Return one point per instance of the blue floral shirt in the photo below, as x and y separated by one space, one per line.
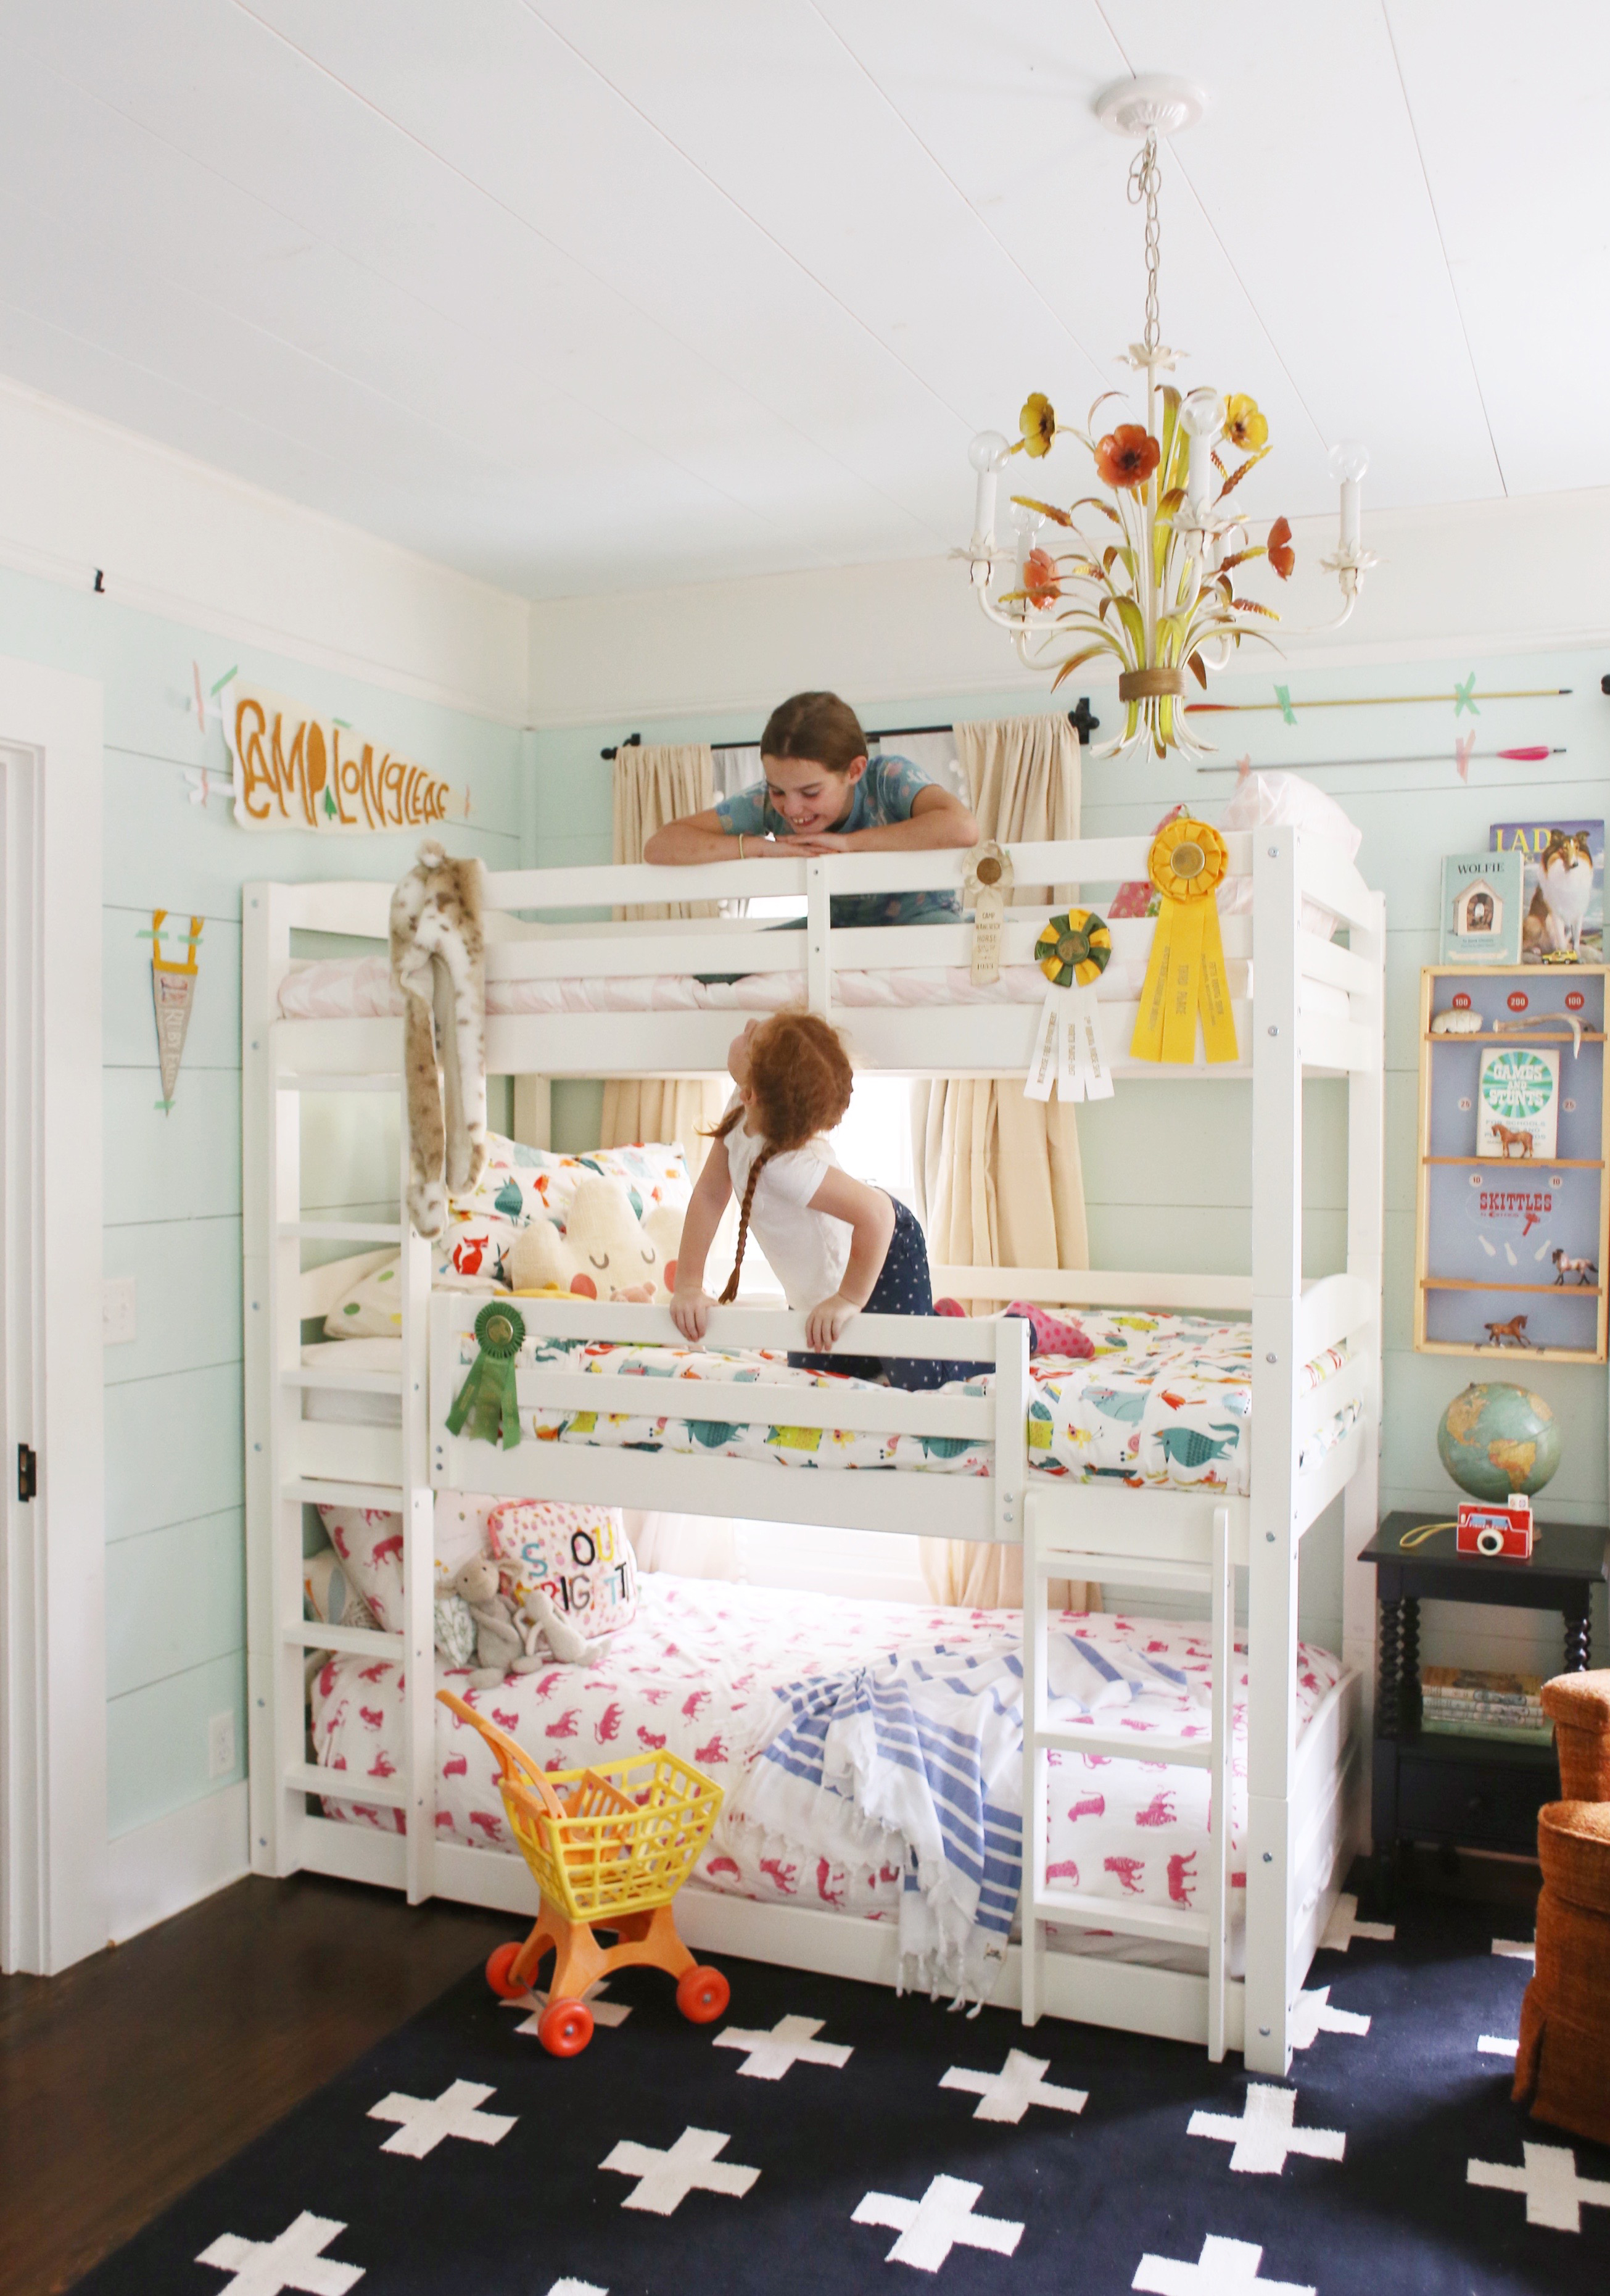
886 791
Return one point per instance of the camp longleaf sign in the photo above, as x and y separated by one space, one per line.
294 770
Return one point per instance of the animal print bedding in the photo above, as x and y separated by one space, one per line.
1162 1401
707 1667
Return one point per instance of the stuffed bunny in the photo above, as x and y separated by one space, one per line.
605 1252
500 1646
541 1621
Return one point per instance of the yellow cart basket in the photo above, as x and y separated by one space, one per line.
608 1845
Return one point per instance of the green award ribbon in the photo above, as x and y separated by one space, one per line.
487 1400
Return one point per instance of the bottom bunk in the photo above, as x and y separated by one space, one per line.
815 1714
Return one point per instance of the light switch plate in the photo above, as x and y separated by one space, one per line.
220 1745
118 1311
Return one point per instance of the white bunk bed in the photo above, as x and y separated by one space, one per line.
1317 1011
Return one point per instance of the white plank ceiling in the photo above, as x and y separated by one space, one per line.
582 295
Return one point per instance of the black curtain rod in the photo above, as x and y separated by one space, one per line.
1079 718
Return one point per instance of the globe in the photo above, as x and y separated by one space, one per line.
1497 1438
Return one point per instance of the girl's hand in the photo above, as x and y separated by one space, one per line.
827 1320
690 1312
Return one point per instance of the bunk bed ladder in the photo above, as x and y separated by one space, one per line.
1053 1547
287 1470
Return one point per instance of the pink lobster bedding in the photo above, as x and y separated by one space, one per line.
699 1670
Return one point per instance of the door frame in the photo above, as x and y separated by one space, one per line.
53 1849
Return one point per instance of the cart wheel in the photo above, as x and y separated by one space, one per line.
701 1996
566 2028
499 1962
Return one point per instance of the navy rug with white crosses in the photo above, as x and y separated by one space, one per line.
824 2135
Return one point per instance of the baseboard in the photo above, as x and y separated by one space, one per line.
159 1869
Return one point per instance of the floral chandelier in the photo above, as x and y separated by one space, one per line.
1149 569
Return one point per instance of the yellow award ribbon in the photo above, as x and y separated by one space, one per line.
1185 975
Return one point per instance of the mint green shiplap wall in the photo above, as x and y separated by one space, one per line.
175 1526
1167 1165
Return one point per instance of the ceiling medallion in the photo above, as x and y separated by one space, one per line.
1153 584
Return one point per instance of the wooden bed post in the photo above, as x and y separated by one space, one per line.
1366 1200
271 1178
1277 1285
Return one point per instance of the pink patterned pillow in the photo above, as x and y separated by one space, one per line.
579 1556
369 1541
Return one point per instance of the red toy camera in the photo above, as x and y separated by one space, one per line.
1496 1529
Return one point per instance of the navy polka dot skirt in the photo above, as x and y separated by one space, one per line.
903 1287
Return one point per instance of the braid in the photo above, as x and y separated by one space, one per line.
756 1169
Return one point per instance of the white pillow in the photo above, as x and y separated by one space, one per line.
1287 801
522 1183
518 1184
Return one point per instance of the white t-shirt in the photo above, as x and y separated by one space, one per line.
808 1251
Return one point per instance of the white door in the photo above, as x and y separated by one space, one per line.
53 1640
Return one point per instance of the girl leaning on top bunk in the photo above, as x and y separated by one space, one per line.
835 1244
822 794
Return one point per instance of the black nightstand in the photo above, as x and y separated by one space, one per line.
1466 1792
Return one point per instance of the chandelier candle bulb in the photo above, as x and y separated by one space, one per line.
987 455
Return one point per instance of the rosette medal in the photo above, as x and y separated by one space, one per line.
1185 975
1073 952
488 1401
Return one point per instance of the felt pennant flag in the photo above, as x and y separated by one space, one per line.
1185 974
294 769
173 988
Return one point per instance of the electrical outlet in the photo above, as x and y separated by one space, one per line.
118 1311
220 1745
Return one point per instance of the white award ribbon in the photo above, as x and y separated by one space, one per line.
1069 1051
986 890
1081 1069
1043 1061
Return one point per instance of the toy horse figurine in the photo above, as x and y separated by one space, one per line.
1585 1270
1507 1140
1512 1334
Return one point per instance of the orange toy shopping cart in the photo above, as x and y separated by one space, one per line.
610 1846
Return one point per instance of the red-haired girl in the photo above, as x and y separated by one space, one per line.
835 1244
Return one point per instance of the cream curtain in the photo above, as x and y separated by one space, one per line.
1000 1175
653 785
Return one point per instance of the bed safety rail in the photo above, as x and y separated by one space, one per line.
963 1506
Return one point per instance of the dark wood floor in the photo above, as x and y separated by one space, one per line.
142 2069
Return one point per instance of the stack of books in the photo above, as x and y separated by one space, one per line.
1464 1702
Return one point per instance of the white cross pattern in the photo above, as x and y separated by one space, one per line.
665 2179
425 2120
1265 2135
1225 2268
791 2041
1493 2045
941 2220
1008 2095
1314 2015
1511 1949
1554 2191
296 2259
604 2012
1344 1925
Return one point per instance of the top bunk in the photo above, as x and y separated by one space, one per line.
576 985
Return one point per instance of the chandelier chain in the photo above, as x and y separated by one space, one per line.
1144 179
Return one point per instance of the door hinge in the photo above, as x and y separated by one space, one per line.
28 1472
